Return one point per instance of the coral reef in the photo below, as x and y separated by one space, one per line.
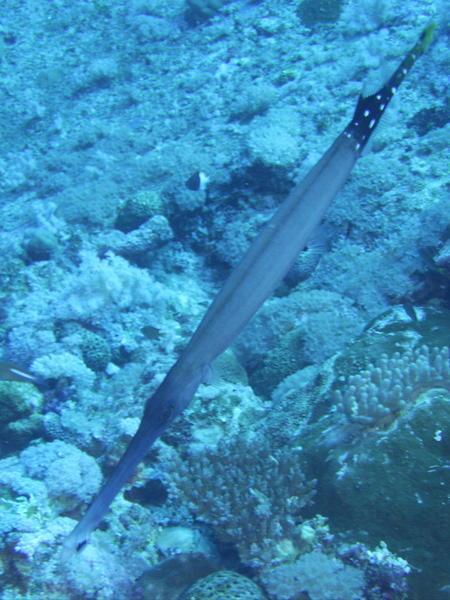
64 364
109 261
322 576
224 585
47 462
95 350
294 331
314 13
20 415
201 10
137 210
271 139
378 394
379 457
152 234
393 483
250 495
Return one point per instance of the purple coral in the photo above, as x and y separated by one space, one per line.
386 574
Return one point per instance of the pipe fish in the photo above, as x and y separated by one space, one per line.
260 271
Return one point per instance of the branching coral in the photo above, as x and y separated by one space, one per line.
252 497
376 395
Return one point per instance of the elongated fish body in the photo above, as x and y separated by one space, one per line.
261 270
10 372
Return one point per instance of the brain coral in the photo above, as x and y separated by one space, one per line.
224 585
322 576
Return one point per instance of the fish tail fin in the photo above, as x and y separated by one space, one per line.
370 109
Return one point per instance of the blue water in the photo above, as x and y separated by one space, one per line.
287 472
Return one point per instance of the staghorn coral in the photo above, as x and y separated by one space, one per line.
377 394
252 496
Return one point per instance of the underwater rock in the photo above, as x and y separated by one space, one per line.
427 119
315 12
40 245
152 234
384 468
227 367
394 484
256 100
198 11
442 259
178 539
271 140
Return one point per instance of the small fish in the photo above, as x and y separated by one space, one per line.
11 372
197 182
150 332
